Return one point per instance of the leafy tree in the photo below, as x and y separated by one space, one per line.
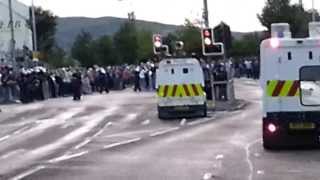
104 50
191 36
82 49
126 43
145 47
248 45
46 24
278 11
170 40
59 58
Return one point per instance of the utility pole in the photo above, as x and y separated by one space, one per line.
205 13
313 12
34 28
300 3
12 41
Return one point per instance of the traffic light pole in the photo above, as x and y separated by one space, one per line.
206 13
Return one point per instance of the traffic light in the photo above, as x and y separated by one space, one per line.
209 47
157 43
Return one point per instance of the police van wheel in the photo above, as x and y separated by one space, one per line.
205 112
268 146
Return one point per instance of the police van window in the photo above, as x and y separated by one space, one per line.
310 55
310 85
172 71
185 70
289 56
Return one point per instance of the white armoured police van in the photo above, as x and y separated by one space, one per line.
180 84
290 78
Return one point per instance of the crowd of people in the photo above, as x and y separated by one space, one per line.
37 84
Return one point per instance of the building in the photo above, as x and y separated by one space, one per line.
22 30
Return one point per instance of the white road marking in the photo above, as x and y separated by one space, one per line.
164 132
127 134
183 122
146 122
219 157
193 123
98 133
19 131
130 117
207 176
12 153
260 172
109 124
85 142
257 155
122 143
28 173
5 138
68 157
28 158
248 158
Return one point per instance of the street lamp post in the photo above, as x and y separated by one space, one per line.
34 28
206 13
12 41
313 12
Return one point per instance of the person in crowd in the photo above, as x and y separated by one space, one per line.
248 66
86 84
76 85
102 81
256 69
9 83
137 84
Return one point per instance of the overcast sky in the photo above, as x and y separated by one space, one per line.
241 15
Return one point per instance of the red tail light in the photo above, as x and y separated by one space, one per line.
272 128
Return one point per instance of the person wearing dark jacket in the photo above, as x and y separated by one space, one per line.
103 81
76 84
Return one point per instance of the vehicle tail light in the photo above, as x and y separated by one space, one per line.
274 42
272 128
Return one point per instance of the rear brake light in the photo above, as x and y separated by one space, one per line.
272 128
274 42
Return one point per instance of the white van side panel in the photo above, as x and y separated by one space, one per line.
275 65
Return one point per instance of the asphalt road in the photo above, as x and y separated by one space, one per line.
118 136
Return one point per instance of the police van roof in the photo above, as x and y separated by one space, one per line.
291 42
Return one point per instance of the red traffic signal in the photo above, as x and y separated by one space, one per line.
209 47
157 40
206 33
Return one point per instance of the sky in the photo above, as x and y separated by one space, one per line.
241 15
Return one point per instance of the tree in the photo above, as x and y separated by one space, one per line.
191 36
126 43
279 11
104 51
58 58
82 49
46 24
248 45
145 47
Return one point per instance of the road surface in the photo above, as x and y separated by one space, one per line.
118 136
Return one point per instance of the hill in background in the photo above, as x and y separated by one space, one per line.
68 28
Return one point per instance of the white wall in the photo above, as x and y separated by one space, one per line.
23 34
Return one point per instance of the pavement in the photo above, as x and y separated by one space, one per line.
118 136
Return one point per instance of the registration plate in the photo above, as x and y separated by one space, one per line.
182 108
302 126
